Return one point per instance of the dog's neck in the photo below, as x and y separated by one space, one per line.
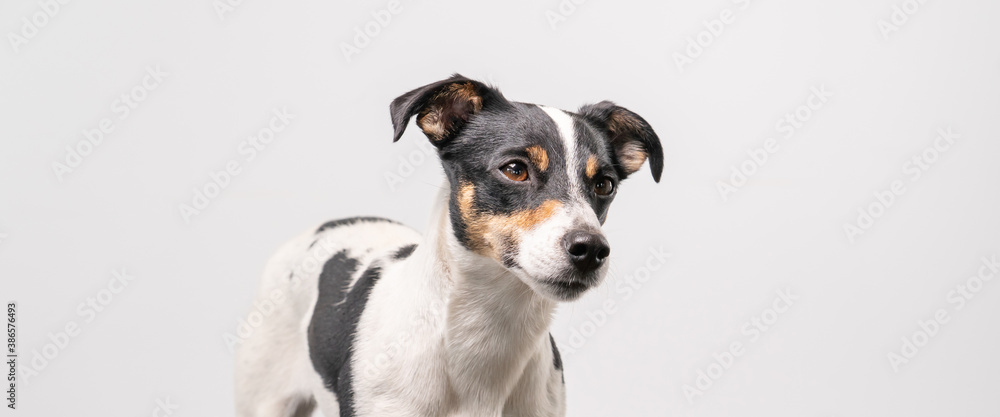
494 322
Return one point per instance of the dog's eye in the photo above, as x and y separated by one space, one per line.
515 171
604 186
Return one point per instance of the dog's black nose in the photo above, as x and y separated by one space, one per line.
587 250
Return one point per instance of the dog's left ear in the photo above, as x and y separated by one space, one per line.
442 108
631 138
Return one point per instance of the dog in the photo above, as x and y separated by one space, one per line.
367 317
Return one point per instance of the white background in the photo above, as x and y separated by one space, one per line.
61 237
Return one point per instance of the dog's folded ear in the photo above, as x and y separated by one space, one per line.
630 137
442 108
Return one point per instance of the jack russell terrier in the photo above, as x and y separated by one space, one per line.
370 318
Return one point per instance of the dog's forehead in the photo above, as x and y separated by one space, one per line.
562 136
583 147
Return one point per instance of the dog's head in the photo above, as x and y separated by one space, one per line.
531 185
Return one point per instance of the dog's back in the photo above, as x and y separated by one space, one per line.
308 296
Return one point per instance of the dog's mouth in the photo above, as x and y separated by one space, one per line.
570 288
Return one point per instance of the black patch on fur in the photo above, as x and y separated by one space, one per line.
509 258
556 358
404 252
335 322
349 221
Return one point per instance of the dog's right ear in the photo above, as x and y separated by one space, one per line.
631 138
442 108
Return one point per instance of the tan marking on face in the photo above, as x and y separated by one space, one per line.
631 155
591 166
538 157
526 220
466 193
455 98
475 226
489 234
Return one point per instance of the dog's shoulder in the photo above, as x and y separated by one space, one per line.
357 248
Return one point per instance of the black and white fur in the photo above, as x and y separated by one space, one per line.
374 319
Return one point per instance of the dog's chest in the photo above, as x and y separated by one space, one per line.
380 340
